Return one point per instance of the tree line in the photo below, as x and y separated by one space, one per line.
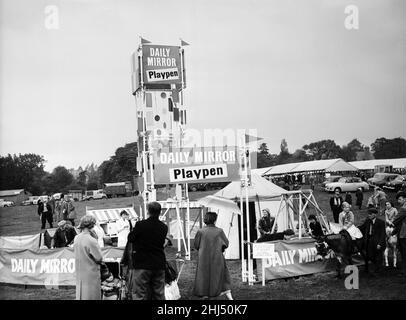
382 148
26 171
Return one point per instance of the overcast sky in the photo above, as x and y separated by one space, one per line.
289 69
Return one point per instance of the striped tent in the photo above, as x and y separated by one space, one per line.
109 215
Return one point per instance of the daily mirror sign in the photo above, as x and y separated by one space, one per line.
161 64
191 165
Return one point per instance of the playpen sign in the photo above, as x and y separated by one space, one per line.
198 164
161 64
263 250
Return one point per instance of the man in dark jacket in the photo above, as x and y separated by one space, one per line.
45 212
374 235
400 229
64 235
148 240
335 205
315 227
360 197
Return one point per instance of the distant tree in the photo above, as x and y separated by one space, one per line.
263 149
299 156
284 156
264 158
384 148
349 151
120 167
324 149
82 179
61 178
22 172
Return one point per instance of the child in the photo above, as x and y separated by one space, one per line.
110 288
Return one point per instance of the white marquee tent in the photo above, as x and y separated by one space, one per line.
329 165
264 194
370 164
228 214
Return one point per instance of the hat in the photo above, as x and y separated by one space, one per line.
401 194
312 216
61 223
372 211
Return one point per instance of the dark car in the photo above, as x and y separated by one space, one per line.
380 179
396 184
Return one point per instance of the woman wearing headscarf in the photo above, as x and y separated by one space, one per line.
88 257
212 276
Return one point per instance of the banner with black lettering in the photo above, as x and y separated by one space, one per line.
297 257
48 267
197 164
161 64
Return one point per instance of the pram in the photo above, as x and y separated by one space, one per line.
114 287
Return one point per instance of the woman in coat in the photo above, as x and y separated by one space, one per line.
212 276
88 257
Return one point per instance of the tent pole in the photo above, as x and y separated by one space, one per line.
188 222
300 216
247 209
243 262
277 214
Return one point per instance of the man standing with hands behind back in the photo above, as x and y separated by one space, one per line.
335 205
374 234
148 239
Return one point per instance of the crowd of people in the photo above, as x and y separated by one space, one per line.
384 227
144 256
145 261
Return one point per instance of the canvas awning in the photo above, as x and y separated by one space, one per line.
220 203
259 189
106 215
370 164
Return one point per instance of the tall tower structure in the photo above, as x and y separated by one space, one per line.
158 84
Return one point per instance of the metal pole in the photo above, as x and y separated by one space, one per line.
188 222
300 216
151 169
250 273
243 262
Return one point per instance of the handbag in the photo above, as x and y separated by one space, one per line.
170 273
172 291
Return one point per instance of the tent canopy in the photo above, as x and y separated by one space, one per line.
220 203
329 165
260 188
370 164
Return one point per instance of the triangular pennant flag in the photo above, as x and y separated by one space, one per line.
249 138
183 43
144 41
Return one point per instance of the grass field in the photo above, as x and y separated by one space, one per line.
24 220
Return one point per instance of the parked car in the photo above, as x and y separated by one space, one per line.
29 201
330 179
42 198
380 179
396 184
347 184
6 203
94 195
